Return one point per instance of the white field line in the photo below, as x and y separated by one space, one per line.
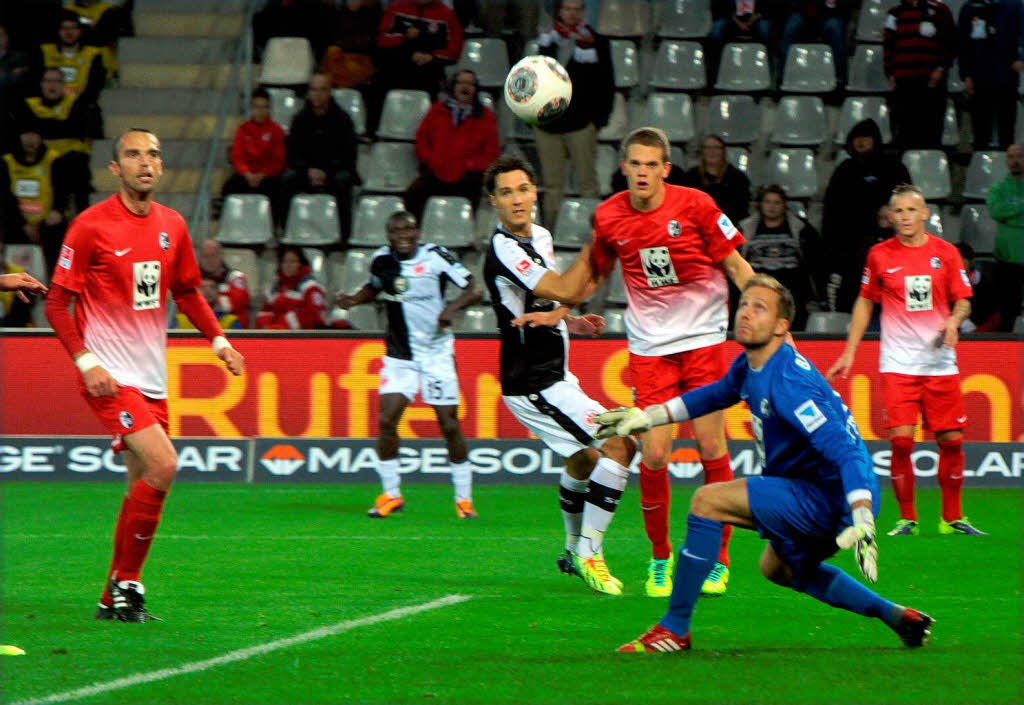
244 654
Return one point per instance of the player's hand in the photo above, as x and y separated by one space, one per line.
345 301
840 368
22 283
444 319
539 318
950 333
861 538
588 324
624 421
232 359
99 382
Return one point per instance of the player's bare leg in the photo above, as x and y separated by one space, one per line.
709 432
392 406
901 469
462 471
951 482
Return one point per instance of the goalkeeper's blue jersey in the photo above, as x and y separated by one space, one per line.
801 425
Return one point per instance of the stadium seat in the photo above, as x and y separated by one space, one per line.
607 165
985 169
365 317
355 271
977 228
317 263
370 218
828 322
953 81
246 261
448 221
488 58
739 157
283 106
477 319
623 18
866 72
734 118
245 220
744 67
1018 325
351 101
392 167
287 61
800 121
574 224
334 271
871 20
950 126
673 113
618 121
28 257
626 64
678 157
403 111
312 220
810 68
929 171
685 19
793 168
862 107
616 287
935 224
564 260
679 66
614 320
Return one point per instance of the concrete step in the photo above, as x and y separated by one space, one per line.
170 101
208 7
166 75
173 180
178 154
166 23
172 127
175 50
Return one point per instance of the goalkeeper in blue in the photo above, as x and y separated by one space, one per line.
817 492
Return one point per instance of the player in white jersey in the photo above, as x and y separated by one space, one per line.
410 278
536 384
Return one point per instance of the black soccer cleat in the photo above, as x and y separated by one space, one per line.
129 603
567 565
105 612
914 628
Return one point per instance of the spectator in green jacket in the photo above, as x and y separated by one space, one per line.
1006 206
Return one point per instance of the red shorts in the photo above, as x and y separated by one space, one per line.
128 412
658 379
937 398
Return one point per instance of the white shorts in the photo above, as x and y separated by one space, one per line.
562 416
435 379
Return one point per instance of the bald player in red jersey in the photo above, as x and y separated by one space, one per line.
924 291
120 260
677 249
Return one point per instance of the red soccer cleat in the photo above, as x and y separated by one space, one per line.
656 639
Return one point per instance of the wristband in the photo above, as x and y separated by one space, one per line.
219 343
86 362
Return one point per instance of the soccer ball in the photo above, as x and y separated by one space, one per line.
538 90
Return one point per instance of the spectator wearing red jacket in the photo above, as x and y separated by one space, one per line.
455 143
295 300
232 284
258 155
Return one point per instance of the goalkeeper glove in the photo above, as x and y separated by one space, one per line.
861 538
622 422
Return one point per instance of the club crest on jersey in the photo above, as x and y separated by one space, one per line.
766 409
919 292
674 228
126 419
147 285
936 263
658 269
165 241
401 285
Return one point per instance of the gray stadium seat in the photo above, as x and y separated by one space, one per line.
871 20
794 169
950 126
616 287
317 263
403 111
351 101
673 113
626 63
392 167
366 317
977 228
866 73
448 221
334 271
477 319
678 157
828 322
861 107
564 260
935 224
1018 325
245 220
354 272
614 320
312 220
810 68
287 61
607 165
283 106
800 121
574 224
247 262
618 121
744 67
28 257
685 19
623 18
488 58
370 218
929 171
734 118
985 169
679 66
739 157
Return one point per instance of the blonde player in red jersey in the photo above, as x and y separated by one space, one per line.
677 250
923 288
120 260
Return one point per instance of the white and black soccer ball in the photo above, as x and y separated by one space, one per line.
538 90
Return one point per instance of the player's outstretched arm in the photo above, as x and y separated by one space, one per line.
859 320
23 283
364 296
572 286
861 538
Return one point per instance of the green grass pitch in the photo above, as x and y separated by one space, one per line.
235 567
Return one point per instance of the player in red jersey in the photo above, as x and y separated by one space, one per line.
120 260
676 249
921 284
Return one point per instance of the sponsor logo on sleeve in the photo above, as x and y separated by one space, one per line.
726 226
67 256
524 266
866 276
810 416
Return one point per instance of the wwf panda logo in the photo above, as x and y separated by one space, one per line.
126 419
657 264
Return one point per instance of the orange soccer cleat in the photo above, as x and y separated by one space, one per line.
385 505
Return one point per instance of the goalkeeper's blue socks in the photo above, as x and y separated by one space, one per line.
834 587
696 559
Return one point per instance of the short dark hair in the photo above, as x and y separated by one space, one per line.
397 216
787 306
260 92
648 137
906 190
771 188
120 139
504 164
303 260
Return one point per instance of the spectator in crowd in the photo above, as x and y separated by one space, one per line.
321 150
739 19
105 21
15 68
455 143
858 188
1006 206
812 20
349 58
232 284
258 155
919 45
991 60
497 17
586 56
37 177
209 291
786 246
81 65
295 300
15 310
984 316
715 176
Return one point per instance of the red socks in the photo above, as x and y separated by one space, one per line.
136 524
655 502
719 470
951 478
902 471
